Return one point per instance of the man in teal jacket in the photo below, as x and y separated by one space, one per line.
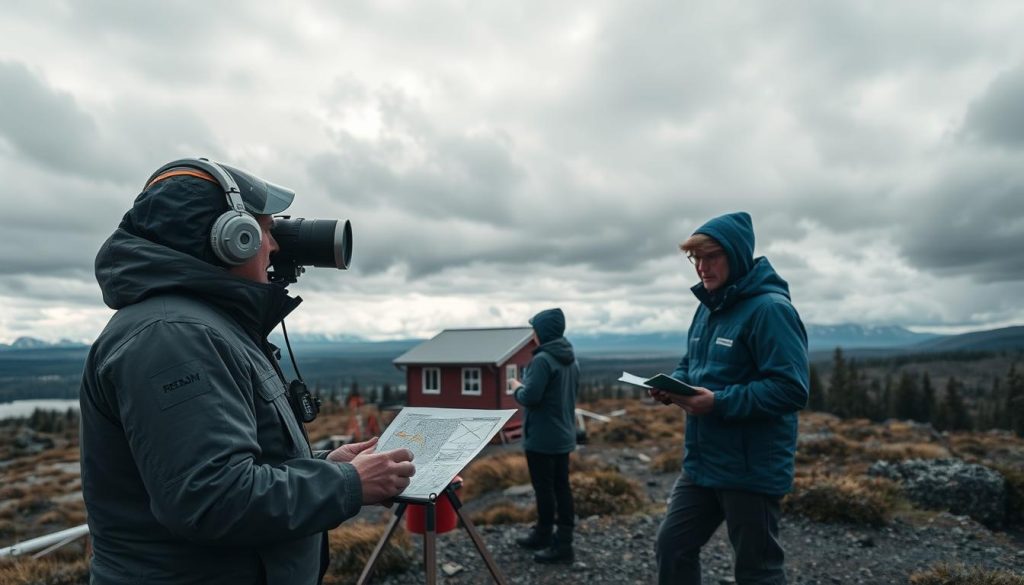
548 397
195 467
747 354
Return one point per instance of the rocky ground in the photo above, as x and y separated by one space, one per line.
620 549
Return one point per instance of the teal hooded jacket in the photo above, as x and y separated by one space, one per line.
748 345
549 390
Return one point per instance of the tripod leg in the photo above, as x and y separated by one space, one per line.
430 544
364 578
481 547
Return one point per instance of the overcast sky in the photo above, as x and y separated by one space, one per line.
496 159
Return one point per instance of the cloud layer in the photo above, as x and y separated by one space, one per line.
496 160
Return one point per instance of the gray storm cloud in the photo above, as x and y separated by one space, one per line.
997 117
574 145
45 125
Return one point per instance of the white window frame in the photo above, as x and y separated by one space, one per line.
511 372
437 373
467 389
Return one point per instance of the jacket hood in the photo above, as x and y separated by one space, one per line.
735 233
130 269
559 348
178 213
549 324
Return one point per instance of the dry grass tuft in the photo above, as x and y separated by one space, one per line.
582 463
640 423
351 546
494 473
849 499
619 431
505 513
51 570
832 447
904 451
945 574
1014 493
603 493
670 461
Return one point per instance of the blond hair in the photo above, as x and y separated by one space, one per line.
700 244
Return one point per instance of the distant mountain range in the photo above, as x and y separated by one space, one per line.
821 338
33 343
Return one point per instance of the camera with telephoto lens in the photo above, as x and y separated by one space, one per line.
325 243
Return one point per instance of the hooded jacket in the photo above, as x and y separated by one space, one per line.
748 345
549 389
194 467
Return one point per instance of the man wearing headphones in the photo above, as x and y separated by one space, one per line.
195 466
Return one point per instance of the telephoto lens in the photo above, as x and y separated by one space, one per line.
326 243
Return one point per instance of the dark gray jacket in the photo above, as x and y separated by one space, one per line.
194 468
549 394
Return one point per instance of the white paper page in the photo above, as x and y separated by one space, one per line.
442 440
635 380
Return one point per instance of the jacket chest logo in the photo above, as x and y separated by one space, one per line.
724 342
183 381
179 384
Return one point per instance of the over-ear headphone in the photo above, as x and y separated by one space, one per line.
236 236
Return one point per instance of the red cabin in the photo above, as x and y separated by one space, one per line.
468 368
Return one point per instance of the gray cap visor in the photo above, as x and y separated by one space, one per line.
260 197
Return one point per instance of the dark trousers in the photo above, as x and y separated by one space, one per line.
694 513
549 475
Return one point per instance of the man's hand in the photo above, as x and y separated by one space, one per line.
515 383
697 405
384 475
662 397
346 453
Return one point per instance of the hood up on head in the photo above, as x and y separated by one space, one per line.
735 233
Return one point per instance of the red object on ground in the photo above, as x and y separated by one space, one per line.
445 518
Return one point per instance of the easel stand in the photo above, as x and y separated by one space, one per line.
430 537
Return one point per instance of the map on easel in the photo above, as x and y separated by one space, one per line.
442 440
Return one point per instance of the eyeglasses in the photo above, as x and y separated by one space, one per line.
705 259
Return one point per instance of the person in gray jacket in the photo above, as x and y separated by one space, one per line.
548 395
195 467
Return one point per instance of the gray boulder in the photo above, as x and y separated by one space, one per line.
950 484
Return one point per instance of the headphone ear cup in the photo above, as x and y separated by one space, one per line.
236 237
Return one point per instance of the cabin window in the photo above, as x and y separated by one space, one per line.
471 381
511 371
431 380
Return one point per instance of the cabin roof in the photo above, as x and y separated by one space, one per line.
468 346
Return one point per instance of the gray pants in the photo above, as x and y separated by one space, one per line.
694 513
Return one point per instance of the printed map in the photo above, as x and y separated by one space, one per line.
442 440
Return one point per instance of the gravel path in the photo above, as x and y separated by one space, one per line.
619 550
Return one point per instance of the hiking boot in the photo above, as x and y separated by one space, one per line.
538 538
560 551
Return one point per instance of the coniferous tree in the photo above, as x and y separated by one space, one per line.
816 400
926 411
905 399
886 405
837 388
1015 401
991 411
953 415
857 404
878 402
